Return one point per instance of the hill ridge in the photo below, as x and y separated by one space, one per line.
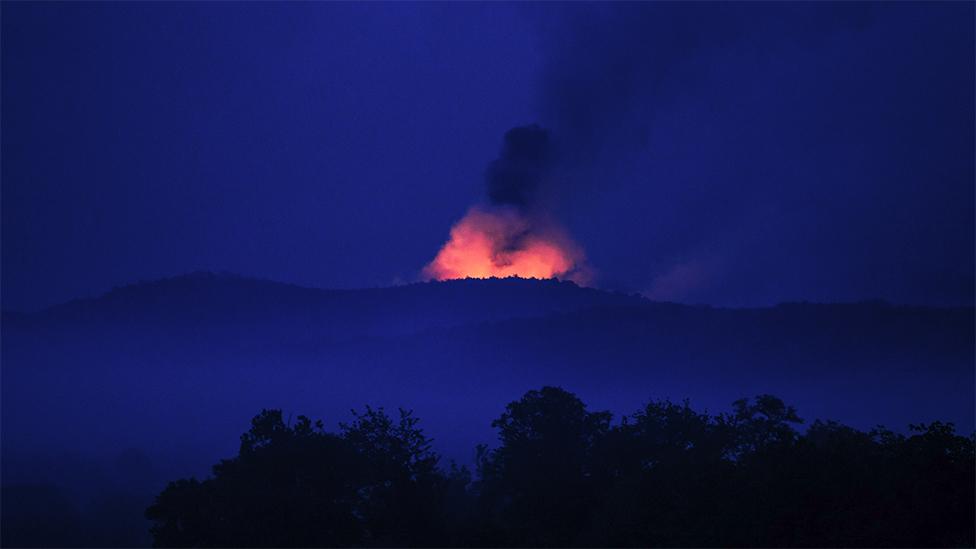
195 281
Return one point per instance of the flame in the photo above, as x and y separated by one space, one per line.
503 242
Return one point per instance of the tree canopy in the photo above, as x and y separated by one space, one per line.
562 475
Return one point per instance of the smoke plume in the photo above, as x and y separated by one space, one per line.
515 177
514 234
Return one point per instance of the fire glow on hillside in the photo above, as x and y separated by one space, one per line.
503 242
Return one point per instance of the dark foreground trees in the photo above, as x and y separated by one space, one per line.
564 476
374 483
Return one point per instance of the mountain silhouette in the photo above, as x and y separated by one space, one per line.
167 368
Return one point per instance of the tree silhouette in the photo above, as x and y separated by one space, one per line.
401 489
562 475
668 478
299 486
540 483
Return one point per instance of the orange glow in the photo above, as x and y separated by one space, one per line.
502 242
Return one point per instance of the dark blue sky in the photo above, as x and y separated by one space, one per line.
726 154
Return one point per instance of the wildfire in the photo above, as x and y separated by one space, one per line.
503 242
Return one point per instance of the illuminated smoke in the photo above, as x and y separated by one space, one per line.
503 242
513 235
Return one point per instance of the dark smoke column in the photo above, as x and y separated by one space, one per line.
515 177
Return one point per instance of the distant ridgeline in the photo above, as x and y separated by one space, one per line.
564 476
105 400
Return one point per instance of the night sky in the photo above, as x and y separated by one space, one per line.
724 154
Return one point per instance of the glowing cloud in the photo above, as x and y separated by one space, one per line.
503 242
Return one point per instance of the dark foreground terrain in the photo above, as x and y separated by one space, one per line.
106 400
561 475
